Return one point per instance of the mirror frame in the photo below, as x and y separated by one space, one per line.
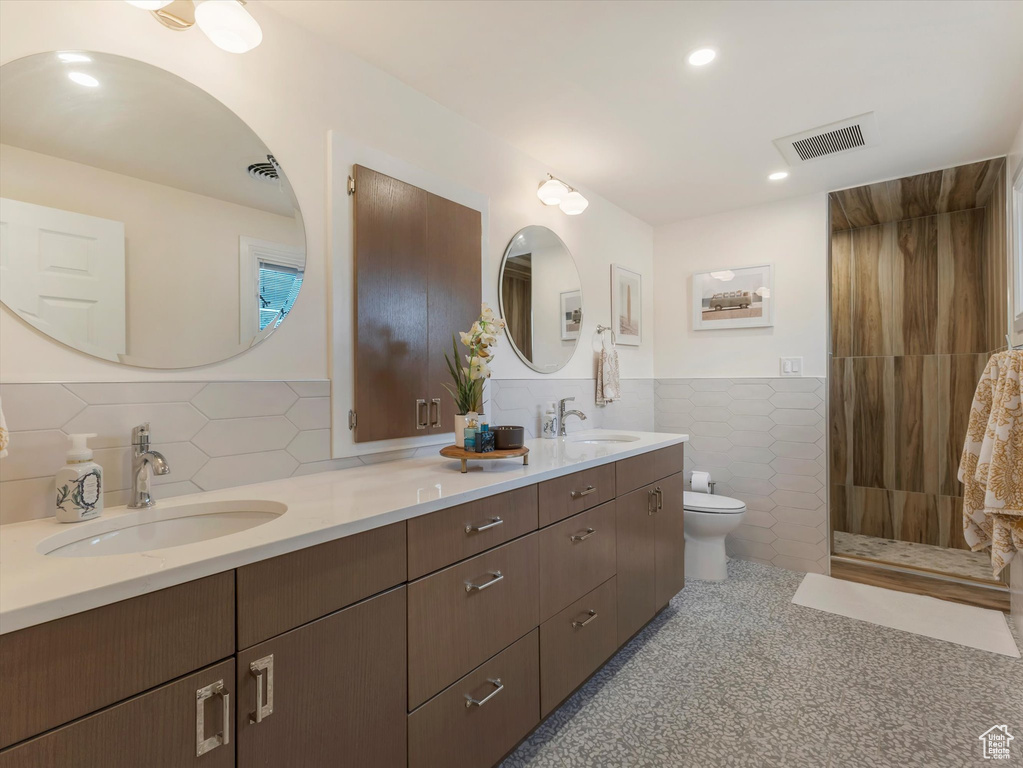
500 300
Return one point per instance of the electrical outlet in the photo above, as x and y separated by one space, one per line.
791 366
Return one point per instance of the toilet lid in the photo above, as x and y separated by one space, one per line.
707 502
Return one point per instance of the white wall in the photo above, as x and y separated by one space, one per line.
291 90
791 234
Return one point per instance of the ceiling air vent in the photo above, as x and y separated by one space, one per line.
267 171
844 136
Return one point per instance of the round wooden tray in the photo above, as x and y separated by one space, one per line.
454 452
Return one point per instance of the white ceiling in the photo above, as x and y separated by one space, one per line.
140 121
601 90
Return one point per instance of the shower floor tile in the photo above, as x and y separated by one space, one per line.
958 562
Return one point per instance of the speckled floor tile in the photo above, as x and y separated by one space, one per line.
733 675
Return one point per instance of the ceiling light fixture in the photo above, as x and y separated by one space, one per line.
553 191
778 175
73 58
225 22
83 79
702 56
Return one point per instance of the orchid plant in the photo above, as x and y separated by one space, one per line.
470 378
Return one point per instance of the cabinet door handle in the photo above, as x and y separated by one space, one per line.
651 501
591 615
582 536
498 687
494 522
202 743
660 498
586 492
495 577
435 404
420 421
263 708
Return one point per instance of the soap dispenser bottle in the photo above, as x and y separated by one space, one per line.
79 483
550 421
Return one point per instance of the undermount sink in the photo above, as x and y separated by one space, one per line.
599 439
160 528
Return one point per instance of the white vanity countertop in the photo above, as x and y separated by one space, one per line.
35 588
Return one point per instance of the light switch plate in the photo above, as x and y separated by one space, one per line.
791 366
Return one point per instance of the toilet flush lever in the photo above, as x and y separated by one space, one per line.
710 485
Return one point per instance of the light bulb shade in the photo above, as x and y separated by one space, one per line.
228 25
574 203
552 191
149 5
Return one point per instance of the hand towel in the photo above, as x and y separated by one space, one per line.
991 468
5 436
609 387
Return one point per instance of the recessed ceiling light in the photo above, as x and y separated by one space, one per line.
702 56
83 79
778 175
73 58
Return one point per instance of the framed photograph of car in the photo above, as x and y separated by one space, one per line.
733 298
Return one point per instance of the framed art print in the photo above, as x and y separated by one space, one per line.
733 298
626 305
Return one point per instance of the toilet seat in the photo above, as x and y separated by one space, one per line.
707 502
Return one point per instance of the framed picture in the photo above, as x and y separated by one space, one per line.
733 298
571 314
626 305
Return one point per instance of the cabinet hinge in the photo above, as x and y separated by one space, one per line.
351 186
353 420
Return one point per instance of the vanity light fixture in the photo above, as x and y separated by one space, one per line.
83 79
778 175
702 56
556 192
225 22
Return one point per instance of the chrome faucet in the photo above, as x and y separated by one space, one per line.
142 459
562 413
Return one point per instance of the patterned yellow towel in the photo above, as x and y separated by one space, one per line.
991 468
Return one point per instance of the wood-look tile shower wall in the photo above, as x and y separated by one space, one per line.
918 305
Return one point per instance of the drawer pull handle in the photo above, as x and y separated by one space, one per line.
256 669
498 687
591 615
660 498
651 501
495 577
203 744
586 492
421 422
582 536
494 522
435 404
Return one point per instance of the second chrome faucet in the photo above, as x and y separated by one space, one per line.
562 413
142 460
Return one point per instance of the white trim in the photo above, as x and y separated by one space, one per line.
252 251
343 153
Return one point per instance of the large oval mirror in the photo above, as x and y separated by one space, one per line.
141 221
541 299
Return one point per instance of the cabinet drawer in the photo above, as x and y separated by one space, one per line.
285 592
575 556
575 642
158 729
337 687
55 672
647 468
571 494
445 537
461 616
463 728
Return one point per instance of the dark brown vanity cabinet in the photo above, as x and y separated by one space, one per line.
418 281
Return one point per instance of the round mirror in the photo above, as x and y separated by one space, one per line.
541 299
141 221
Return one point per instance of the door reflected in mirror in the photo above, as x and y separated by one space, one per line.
541 299
141 221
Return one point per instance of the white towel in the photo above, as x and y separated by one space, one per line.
609 387
5 436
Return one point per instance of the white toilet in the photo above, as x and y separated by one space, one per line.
708 519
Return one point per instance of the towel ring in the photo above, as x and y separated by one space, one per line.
601 330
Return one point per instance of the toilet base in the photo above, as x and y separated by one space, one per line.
706 559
